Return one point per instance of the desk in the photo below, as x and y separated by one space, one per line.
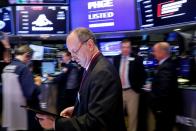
186 116
48 96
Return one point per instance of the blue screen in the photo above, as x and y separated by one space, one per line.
184 67
6 21
48 67
102 15
110 48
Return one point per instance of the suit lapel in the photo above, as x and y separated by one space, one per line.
118 59
159 67
91 67
84 80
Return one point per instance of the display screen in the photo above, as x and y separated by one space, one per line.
187 70
6 21
184 67
41 20
165 12
103 15
48 68
172 36
50 53
148 59
38 52
110 48
35 1
150 62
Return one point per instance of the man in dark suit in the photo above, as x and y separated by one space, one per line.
163 89
99 102
132 73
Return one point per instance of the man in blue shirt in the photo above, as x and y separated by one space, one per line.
19 89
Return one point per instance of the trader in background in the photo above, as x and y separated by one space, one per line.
5 58
19 89
133 75
68 82
164 88
99 104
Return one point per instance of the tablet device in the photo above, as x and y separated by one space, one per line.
40 111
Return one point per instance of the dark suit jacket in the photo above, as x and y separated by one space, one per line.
137 74
164 86
69 79
67 86
100 106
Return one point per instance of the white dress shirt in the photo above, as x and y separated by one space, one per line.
127 82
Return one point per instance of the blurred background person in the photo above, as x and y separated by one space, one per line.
133 75
19 89
164 89
5 58
67 82
5 48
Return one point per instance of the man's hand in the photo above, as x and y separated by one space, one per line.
47 122
67 112
38 81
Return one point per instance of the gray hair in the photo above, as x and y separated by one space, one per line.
84 34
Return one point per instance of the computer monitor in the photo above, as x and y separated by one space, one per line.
6 20
50 53
153 13
103 16
36 20
38 52
111 48
48 67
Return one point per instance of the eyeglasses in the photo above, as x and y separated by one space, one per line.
76 52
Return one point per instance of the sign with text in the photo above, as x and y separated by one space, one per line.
103 15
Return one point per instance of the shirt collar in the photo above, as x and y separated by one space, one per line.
163 60
91 61
68 62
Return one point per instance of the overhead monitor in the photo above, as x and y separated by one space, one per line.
153 13
103 15
6 20
111 48
36 20
36 1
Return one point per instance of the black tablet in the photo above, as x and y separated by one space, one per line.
38 111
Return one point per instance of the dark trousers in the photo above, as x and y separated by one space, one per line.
142 113
164 119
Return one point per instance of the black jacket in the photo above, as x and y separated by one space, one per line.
164 86
99 107
69 79
137 74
